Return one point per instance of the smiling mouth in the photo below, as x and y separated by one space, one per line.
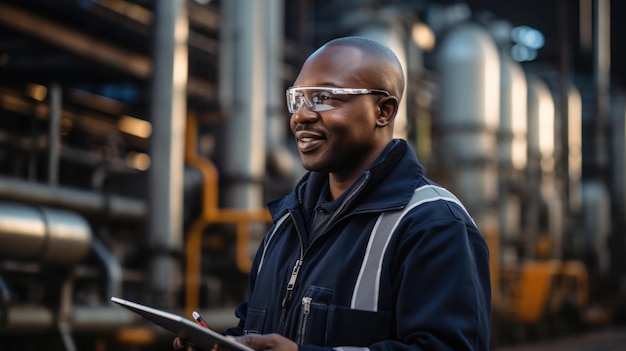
308 141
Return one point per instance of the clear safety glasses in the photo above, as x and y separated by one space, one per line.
320 99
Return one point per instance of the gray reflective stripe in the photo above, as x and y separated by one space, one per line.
365 294
271 236
350 348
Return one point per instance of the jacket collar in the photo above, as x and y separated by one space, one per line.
388 184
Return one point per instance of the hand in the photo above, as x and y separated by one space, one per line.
265 342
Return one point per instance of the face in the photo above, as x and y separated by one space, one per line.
344 140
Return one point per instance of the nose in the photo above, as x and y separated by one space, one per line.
304 115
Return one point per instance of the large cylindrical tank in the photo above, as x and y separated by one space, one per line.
545 211
469 103
512 142
574 148
469 69
512 154
392 37
540 124
43 234
468 65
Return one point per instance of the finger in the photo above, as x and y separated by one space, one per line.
248 340
255 341
179 344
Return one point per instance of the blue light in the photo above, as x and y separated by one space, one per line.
528 36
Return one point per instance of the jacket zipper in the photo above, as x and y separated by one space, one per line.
296 268
289 293
292 282
306 309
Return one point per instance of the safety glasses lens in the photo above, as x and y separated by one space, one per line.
316 99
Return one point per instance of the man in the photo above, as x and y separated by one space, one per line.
332 272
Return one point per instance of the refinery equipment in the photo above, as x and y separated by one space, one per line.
140 140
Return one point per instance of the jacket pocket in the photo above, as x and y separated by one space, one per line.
313 316
255 321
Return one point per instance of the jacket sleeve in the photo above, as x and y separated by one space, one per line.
443 289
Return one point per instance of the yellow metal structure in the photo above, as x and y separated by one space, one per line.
212 214
540 288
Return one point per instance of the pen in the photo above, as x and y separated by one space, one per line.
199 319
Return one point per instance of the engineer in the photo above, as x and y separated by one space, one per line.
366 253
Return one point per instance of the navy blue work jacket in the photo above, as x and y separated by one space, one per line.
430 289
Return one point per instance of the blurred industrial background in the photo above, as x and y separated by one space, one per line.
140 139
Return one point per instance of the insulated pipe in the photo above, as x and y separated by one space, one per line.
80 201
243 97
30 319
280 159
168 107
43 234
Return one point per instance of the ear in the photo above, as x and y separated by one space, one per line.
388 107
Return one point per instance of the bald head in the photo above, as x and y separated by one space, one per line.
386 70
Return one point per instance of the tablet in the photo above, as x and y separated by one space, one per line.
192 332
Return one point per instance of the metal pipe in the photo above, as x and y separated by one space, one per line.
91 319
562 124
168 106
243 141
30 319
111 267
602 68
43 234
280 159
74 41
54 144
212 214
81 201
